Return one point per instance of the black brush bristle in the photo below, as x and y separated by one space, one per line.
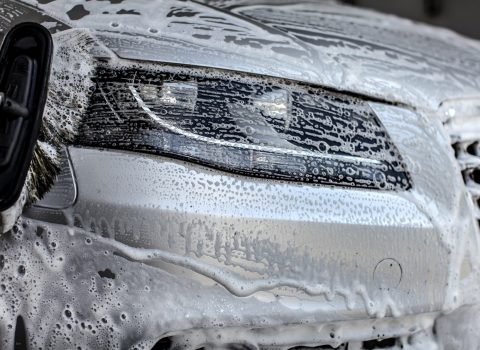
69 92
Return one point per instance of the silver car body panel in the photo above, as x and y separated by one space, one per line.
82 293
322 43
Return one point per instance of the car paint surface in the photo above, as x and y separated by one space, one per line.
319 42
232 251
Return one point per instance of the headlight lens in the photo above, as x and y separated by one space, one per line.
261 127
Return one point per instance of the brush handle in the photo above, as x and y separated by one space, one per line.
10 108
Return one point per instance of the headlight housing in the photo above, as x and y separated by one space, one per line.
261 127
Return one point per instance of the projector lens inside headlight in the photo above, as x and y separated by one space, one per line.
260 127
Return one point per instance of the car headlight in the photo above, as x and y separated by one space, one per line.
262 127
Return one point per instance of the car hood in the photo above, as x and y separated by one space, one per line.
323 43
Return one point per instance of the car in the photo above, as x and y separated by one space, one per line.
250 174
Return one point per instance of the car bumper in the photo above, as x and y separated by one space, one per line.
277 253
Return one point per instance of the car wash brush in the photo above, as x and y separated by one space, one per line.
38 115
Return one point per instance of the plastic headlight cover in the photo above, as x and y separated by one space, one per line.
261 127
